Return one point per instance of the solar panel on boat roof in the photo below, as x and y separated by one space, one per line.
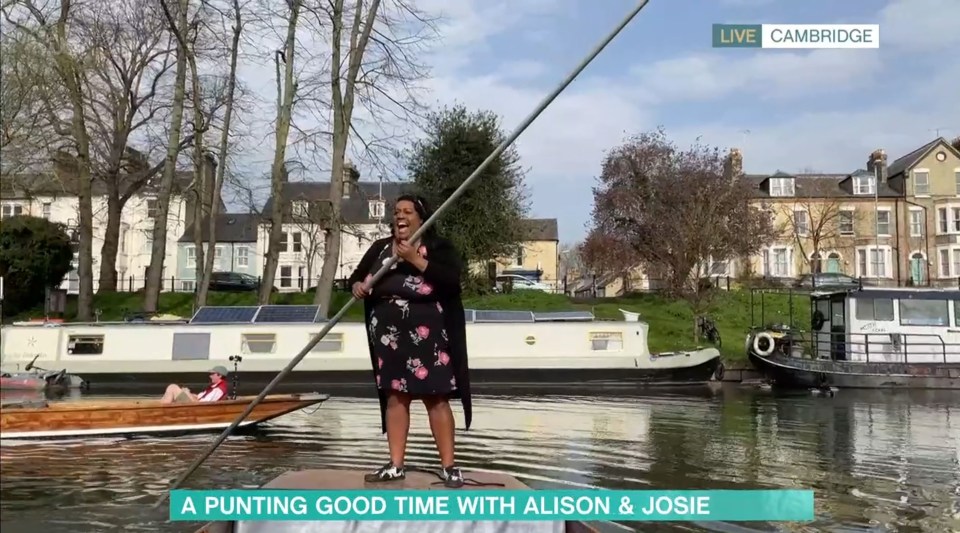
288 313
469 315
213 314
566 316
502 316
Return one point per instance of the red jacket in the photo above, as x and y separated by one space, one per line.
214 393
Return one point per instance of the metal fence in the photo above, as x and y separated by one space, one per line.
580 288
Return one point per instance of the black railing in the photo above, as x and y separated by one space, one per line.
897 348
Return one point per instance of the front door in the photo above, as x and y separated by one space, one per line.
838 328
917 270
833 264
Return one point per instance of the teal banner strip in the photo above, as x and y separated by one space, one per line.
498 505
738 36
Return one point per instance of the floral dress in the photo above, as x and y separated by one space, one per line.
406 328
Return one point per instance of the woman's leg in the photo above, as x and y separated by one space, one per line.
442 427
398 426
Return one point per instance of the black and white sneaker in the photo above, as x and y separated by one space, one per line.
387 472
452 477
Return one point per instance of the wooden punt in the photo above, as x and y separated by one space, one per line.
85 418
341 479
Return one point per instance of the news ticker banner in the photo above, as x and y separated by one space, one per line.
796 36
494 505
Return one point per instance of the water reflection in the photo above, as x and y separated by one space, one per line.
878 461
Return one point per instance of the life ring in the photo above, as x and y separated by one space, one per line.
718 372
770 344
818 319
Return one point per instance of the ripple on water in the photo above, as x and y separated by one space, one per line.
876 462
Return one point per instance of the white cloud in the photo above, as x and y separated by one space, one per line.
769 74
921 25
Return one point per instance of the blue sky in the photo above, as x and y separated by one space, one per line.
821 110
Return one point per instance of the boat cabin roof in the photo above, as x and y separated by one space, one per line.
307 314
311 313
892 293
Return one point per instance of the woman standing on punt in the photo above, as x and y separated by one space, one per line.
417 335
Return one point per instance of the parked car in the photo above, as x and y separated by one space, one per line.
233 282
519 283
827 280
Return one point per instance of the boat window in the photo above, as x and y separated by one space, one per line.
259 342
924 313
331 342
85 344
874 309
824 307
956 312
606 341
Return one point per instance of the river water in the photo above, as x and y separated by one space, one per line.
878 461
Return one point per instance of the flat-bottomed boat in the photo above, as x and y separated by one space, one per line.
505 347
140 417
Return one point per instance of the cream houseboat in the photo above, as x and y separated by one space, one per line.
866 338
505 348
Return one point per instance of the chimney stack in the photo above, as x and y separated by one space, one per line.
877 163
350 177
733 165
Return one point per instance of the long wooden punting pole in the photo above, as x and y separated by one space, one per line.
440 210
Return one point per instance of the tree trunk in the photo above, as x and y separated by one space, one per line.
158 253
68 70
278 171
201 206
343 99
111 245
204 284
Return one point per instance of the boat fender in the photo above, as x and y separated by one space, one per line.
818 319
769 344
718 373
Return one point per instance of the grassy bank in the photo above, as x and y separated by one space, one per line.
671 321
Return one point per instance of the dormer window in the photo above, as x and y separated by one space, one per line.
864 184
301 209
377 208
781 186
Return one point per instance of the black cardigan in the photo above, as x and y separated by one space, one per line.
443 272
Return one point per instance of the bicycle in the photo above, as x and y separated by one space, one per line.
707 329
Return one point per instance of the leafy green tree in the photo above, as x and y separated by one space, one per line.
34 254
486 221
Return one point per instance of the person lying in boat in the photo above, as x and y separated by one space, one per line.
215 392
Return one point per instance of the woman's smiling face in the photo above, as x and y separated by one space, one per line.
406 219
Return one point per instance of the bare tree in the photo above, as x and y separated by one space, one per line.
25 141
604 255
50 28
373 68
157 255
813 223
956 143
571 261
237 28
286 89
311 219
676 209
131 57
